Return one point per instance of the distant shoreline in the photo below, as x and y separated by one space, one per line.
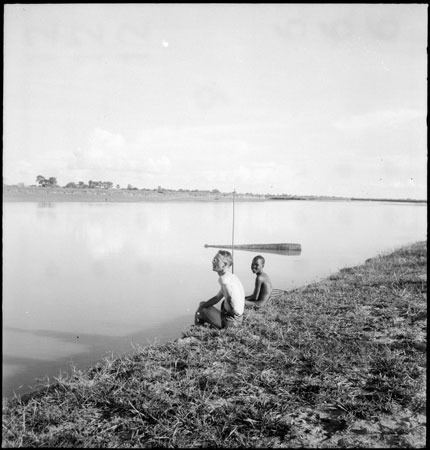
40 194
59 194
352 199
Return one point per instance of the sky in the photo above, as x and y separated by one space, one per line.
299 99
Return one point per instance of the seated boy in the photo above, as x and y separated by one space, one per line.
231 291
263 285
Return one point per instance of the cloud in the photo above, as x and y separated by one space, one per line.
248 176
375 119
108 154
260 174
157 166
171 157
102 140
103 148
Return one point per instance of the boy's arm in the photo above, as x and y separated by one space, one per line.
251 300
265 291
213 301
254 296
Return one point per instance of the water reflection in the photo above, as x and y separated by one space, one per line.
109 234
45 205
46 209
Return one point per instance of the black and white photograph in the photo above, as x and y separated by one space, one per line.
214 227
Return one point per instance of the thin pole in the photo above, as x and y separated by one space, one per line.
232 235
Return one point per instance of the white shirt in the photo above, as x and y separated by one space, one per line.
233 292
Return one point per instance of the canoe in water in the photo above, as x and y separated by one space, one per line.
281 249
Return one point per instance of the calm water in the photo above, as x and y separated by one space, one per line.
81 280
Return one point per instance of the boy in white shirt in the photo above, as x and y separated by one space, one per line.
231 291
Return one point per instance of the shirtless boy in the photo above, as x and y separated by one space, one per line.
263 284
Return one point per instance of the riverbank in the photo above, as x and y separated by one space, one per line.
338 363
59 194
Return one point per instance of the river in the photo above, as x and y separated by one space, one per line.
82 280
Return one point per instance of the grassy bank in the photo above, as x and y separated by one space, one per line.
59 194
338 363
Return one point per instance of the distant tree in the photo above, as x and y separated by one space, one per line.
107 184
129 187
70 185
41 180
118 186
44 182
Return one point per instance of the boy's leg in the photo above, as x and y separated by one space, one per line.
198 318
211 315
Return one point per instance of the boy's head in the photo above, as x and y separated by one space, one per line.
222 259
257 264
